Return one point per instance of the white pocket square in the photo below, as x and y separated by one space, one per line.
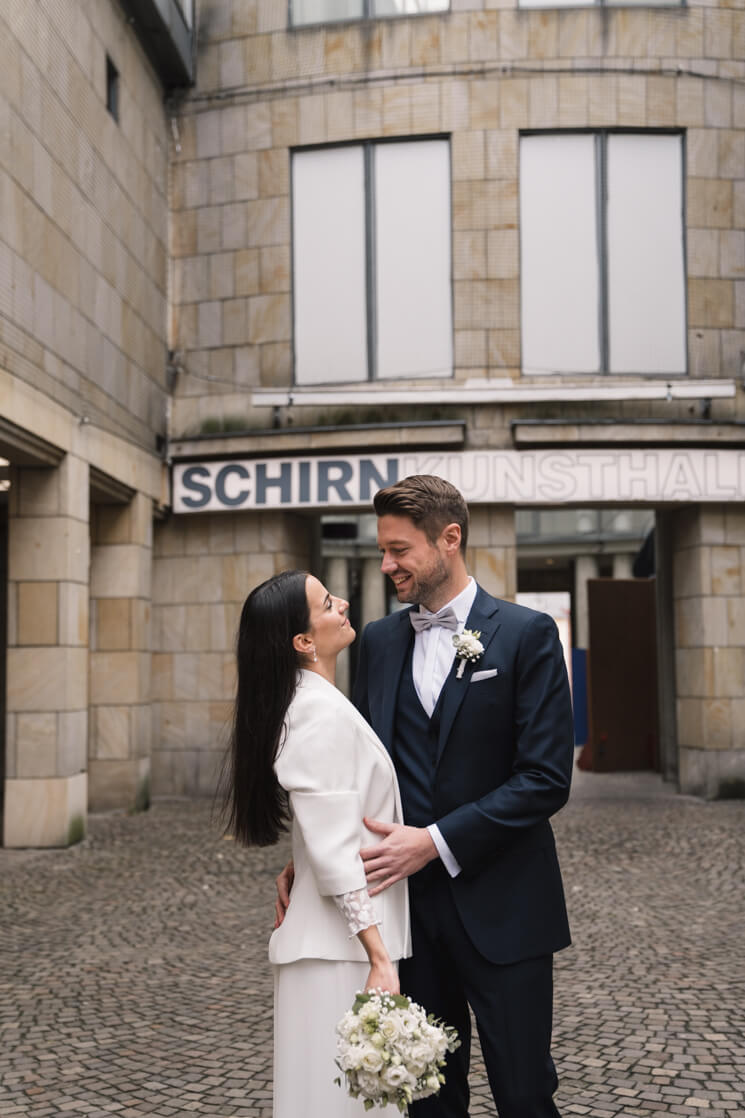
489 674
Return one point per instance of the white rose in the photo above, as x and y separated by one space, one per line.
396 1076
407 1023
436 1038
368 1012
418 1057
372 1059
352 1057
369 1085
468 645
347 1024
390 1027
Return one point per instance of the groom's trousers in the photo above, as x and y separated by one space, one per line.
512 1005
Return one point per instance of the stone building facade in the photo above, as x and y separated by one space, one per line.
84 181
493 240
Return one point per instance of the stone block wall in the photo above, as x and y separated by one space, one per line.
83 356
709 600
492 549
204 567
120 654
77 671
47 658
263 90
83 197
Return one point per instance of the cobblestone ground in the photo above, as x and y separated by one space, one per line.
133 978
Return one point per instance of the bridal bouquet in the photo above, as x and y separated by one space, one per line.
391 1051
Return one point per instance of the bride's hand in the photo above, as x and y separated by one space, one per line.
383 976
284 885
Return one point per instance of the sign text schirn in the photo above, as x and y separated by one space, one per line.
540 477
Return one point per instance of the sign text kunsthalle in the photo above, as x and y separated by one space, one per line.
539 477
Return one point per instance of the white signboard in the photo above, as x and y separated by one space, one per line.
515 477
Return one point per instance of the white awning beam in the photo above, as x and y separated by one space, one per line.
503 391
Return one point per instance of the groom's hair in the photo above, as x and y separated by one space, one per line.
429 502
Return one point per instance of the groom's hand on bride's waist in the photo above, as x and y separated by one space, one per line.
401 852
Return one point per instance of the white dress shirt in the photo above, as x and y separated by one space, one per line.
430 665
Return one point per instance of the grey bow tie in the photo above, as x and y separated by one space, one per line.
421 620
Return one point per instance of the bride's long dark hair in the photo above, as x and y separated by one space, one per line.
255 805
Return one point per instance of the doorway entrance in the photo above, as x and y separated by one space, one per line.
622 676
587 556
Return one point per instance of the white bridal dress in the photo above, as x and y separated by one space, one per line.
336 772
310 996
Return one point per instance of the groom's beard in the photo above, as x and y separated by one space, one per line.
424 587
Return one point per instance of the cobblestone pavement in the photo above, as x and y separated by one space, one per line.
133 978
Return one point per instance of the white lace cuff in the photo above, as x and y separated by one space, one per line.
357 909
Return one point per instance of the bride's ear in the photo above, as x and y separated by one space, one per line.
303 644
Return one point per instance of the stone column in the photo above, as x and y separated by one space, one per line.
622 562
585 568
373 592
709 601
46 785
337 582
492 550
120 662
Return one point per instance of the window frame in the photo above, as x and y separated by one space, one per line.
606 5
369 15
601 136
370 264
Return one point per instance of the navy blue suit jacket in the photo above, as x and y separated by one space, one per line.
503 767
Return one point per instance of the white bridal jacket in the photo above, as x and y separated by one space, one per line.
335 770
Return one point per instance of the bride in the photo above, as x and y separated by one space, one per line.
302 755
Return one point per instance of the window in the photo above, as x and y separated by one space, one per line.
371 261
600 3
602 257
328 11
112 88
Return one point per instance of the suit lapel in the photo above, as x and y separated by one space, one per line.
400 641
484 617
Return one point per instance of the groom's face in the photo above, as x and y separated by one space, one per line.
417 567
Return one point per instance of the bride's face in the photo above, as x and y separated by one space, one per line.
329 624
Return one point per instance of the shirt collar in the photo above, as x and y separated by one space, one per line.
461 603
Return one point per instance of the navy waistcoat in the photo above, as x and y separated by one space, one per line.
415 737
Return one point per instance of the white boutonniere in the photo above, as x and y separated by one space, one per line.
468 648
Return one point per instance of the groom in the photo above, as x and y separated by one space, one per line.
483 752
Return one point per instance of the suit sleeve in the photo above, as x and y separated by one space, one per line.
543 742
316 766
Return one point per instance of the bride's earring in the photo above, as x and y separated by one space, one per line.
315 656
